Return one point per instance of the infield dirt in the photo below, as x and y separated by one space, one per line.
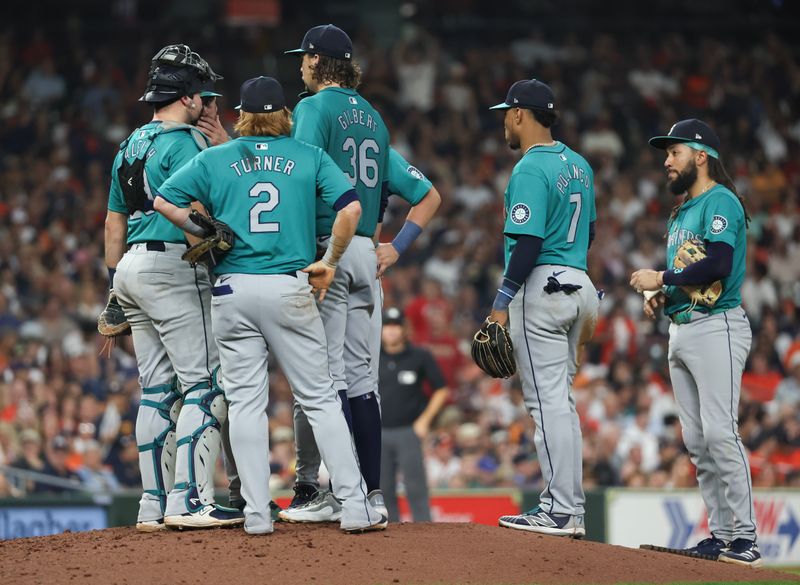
409 554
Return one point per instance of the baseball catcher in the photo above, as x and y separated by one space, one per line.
493 351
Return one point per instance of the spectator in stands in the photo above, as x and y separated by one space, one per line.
95 476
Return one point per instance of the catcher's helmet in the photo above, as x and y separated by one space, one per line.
176 71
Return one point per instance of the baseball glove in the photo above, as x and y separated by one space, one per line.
112 321
218 238
493 351
689 252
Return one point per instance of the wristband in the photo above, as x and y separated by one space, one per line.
505 294
403 240
111 273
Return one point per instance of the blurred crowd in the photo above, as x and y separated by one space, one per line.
69 99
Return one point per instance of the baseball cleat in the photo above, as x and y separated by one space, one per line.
541 522
151 525
304 493
742 552
324 508
707 549
375 498
274 508
580 526
359 529
210 516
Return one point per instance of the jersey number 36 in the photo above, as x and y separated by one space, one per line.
365 169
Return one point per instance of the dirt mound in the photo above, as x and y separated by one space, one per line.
418 554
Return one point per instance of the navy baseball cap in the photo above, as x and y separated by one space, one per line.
326 39
530 94
261 95
693 133
393 316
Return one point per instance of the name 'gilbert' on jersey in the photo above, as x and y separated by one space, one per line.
353 116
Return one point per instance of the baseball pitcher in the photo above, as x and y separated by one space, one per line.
341 122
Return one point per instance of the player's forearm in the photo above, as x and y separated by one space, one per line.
344 227
178 216
116 232
520 265
416 220
422 213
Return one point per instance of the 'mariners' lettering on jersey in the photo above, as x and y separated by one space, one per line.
276 164
573 173
355 116
678 236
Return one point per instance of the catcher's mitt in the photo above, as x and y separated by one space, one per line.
493 351
218 238
689 252
112 321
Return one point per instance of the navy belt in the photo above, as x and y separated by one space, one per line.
225 289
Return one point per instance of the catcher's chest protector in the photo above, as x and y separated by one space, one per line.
138 148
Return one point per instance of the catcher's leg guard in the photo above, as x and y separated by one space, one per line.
203 413
155 436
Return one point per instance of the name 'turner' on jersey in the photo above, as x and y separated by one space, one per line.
266 162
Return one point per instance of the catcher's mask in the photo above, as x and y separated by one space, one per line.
177 71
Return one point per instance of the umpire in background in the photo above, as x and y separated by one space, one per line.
407 413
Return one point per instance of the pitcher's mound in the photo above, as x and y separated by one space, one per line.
409 554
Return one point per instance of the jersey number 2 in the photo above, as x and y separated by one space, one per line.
365 169
576 215
256 225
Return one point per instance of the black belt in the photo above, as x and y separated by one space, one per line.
154 246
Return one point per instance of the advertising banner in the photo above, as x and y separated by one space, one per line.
678 519
19 522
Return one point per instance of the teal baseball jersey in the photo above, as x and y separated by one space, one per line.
352 132
169 147
266 189
406 180
550 195
715 216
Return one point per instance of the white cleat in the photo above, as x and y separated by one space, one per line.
361 528
210 516
151 526
324 508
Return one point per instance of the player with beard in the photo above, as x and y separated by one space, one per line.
708 345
